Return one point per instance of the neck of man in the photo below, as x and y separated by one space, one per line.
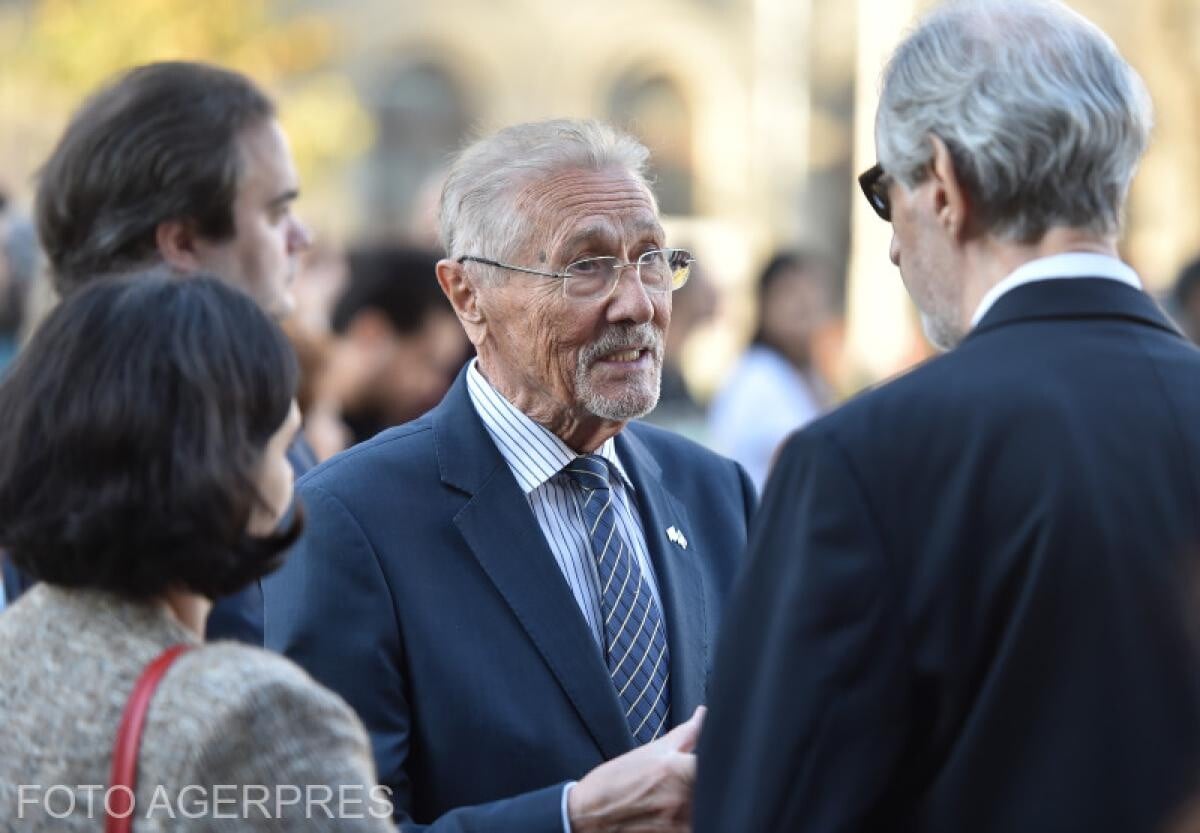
582 432
989 261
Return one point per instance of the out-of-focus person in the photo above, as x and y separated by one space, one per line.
397 346
181 164
143 435
19 274
775 387
18 265
692 306
518 590
972 598
1185 300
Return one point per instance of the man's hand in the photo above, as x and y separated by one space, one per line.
648 789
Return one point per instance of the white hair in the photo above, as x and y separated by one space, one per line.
479 214
1044 120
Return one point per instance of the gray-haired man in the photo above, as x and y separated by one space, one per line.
971 597
522 587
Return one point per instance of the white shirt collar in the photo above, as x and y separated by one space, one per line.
533 452
1058 267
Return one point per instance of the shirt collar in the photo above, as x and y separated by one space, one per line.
534 453
1058 267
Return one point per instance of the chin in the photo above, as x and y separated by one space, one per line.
942 335
634 402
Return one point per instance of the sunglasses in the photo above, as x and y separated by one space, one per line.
874 183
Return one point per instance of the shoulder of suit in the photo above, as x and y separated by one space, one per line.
938 392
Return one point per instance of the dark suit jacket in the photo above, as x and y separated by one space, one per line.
15 582
240 616
972 594
425 594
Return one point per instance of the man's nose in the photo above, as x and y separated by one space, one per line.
630 301
299 237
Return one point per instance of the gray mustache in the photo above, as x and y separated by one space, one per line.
636 337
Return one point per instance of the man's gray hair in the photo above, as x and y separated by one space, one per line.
1044 120
479 213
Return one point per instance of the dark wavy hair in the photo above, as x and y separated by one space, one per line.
158 143
132 428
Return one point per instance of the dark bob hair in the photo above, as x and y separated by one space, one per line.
158 143
132 429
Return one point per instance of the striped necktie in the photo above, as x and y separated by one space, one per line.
634 636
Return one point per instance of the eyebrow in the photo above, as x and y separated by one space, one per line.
283 199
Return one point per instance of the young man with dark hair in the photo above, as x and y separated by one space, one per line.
176 162
183 164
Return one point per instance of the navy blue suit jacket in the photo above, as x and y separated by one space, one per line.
240 615
425 594
972 598
15 582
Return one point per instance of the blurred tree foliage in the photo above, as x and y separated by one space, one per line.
54 52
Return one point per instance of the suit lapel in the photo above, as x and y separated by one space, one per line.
505 538
680 582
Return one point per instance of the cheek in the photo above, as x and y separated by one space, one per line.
662 311
550 340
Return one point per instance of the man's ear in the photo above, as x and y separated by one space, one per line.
177 244
952 204
463 294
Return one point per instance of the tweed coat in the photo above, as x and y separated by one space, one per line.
229 724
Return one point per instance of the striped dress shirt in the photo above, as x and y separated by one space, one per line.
536 457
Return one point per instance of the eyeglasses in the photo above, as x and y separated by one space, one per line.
874 183
592 278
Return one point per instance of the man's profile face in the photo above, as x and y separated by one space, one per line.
566 356
261 256
921 250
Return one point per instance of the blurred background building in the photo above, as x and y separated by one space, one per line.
758 112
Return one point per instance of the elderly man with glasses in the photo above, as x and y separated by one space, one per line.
971 597
519 592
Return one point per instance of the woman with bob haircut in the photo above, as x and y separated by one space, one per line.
143 434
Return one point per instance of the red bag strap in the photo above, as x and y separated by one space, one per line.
119 807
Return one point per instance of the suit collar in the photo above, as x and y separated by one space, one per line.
466 455
1064 266
1078 298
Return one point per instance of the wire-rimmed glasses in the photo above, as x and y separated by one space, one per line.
591 278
